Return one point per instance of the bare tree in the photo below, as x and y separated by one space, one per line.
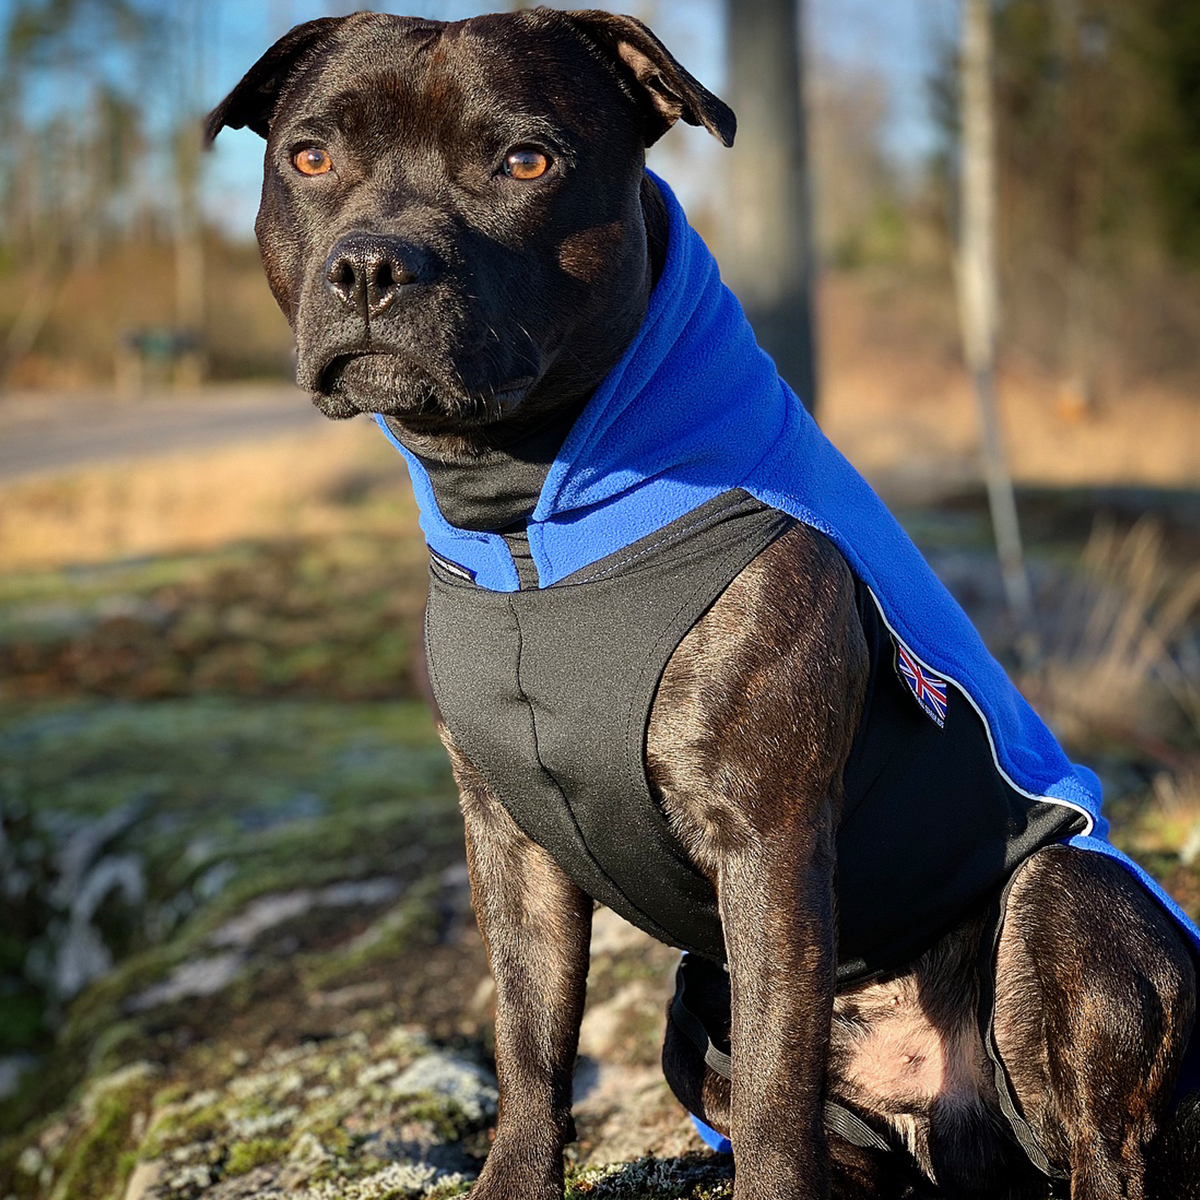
978 290
770 259
190 21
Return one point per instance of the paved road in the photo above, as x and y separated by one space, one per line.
40 434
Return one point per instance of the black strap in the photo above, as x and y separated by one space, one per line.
838 1119
988 947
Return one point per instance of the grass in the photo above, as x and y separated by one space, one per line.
343 478
326 617
1121 682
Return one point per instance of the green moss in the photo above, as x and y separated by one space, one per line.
181 1125
332 1136
447 1118
407 926
174 1093
690 1177
243 1157
447 1191
84 585
271 796
93 1167
126 1163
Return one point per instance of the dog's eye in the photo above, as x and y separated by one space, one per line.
525 163
312 160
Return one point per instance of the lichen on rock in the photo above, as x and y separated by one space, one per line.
346 1117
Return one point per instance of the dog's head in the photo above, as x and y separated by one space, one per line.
451 215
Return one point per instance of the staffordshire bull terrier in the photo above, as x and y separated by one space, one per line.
686 663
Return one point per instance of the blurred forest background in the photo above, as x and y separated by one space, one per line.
236 948
107 227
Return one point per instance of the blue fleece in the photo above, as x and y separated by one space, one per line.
710 1137
695 408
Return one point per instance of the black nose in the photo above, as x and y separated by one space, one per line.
368 271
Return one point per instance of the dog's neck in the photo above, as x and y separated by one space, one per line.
498 486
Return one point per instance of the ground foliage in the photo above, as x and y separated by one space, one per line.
333 618
236 917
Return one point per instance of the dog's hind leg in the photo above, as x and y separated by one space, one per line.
1174 1169
536 925
1095 1002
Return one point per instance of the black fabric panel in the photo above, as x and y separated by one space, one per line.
549 693
930 828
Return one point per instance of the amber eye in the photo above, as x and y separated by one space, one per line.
312 160
525 163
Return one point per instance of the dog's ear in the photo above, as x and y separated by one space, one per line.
665 90
252 103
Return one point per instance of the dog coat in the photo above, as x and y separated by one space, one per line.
565 573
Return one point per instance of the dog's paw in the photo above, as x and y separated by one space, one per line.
516 1188
520 1175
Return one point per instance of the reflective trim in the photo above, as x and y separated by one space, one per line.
1083 812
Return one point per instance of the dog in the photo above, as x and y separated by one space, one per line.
670 680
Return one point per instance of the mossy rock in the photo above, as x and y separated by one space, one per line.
350 1116
226 801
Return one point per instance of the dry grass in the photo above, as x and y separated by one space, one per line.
898 404
289 487
1122 665
291 566
1176 814
1121 685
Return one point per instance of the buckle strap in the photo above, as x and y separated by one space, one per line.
838 1118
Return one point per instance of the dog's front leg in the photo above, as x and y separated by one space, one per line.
536 925
750 730
776 898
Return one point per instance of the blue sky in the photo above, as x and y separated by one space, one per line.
892 39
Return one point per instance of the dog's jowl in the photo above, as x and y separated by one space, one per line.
688 665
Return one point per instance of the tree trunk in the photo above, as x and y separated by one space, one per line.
190 265
769 256
978 291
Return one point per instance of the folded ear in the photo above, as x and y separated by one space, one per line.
665 91
252 103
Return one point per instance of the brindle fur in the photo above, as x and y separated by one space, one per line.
756 710
742 703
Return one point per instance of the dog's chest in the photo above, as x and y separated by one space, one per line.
548 691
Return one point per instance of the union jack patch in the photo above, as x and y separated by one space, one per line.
928 690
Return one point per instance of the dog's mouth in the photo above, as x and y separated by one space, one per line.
363 381
390 384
